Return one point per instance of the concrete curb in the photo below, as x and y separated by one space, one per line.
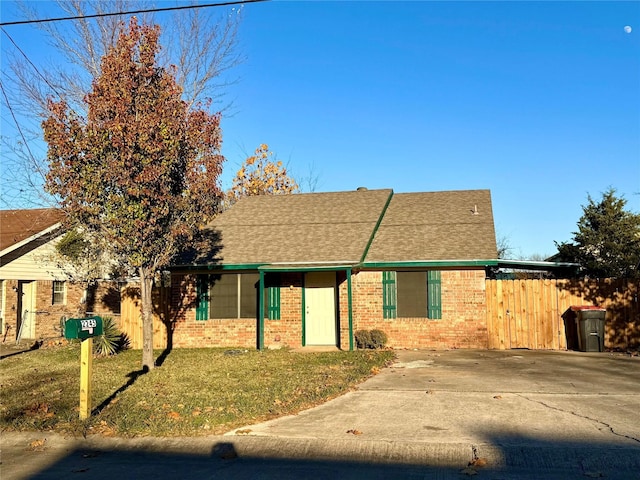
446 455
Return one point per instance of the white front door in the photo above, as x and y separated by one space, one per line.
28 309
320 308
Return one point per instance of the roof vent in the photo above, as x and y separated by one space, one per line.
362 189
475 211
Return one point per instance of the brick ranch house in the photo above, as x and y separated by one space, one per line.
320 266
35 293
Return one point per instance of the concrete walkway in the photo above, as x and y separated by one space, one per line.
495 414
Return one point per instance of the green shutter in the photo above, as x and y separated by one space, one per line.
202 298
434 294
389 295
273 303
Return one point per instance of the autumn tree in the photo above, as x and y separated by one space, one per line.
201 43
141 170
607 243
260 174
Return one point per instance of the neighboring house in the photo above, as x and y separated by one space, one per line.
34 291
321 266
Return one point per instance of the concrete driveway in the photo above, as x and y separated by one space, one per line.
491 397
495 414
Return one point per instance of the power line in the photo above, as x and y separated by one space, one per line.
30 62
6 99
113 14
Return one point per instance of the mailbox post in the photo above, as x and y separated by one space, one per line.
84 329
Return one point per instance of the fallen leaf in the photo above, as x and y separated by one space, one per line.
195 413
354 431
173 415
37 445
246 431
430 392
497 397
478 462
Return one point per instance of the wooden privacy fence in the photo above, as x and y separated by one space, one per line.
529 313
131 317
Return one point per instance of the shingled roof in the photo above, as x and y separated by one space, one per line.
313 227
355 227
427 226
19 225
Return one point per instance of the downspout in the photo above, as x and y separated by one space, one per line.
261 312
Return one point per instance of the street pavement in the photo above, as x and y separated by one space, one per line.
432 414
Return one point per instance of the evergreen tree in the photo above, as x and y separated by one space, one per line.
607 243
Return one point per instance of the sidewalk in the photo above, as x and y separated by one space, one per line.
510 414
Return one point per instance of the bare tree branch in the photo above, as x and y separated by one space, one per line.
202 46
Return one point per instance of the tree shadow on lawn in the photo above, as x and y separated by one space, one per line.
133 376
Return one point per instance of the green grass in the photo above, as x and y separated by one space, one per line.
194 392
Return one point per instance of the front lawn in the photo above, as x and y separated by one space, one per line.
194 392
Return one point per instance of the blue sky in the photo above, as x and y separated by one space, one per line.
537 101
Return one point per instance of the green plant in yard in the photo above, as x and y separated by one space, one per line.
112 339
363 338
378 338
372 339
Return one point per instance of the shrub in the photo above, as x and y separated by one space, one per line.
370 339
363 338
378 339
112 340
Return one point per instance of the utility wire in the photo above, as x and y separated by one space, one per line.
113 14
6 99
30 62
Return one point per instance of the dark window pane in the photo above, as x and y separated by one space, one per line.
249 295
411 294
223 296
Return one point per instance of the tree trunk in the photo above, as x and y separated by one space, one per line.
146 284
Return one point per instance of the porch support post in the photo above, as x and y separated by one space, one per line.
350 308
261 311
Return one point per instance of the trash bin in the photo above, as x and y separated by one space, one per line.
590 326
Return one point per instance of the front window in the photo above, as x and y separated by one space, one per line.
58 292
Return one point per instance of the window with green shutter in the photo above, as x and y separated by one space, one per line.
273 303
202 298
434 294
411 294
389 295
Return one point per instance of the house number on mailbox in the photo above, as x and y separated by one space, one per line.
88 325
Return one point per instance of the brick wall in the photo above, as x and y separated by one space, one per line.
48 315
288 330
234 332
463 322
